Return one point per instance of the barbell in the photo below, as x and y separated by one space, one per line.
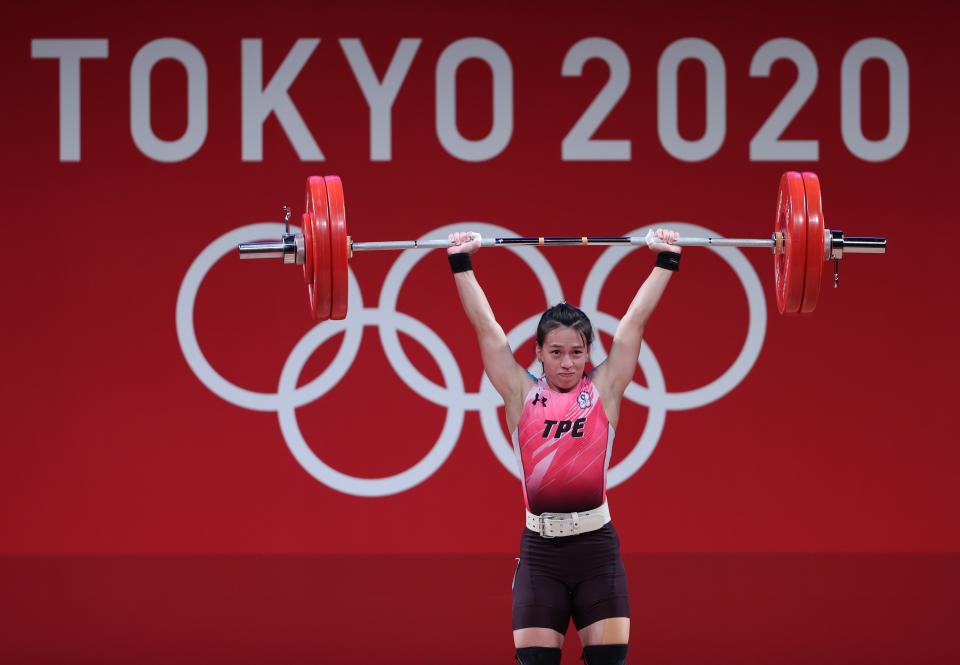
800 244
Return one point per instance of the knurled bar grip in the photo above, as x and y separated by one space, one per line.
852 244
562 241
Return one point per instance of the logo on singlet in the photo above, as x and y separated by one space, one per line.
583 399
542 399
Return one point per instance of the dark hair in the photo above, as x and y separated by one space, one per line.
564 315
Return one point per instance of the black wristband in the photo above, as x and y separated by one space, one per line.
460 262
668 261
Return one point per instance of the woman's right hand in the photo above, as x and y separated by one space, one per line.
463 242
662 240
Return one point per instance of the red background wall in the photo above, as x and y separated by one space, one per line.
838 441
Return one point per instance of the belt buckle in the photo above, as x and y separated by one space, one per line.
543 525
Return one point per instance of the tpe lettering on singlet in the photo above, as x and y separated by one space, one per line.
575 427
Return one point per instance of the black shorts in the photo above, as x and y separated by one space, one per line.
578 576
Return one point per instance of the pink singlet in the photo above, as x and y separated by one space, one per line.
563 443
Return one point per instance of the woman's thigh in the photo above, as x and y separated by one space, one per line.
615 630
537 637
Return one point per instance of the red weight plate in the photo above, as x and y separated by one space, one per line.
307 230
308 250
318 211
789 266
339 246
815 248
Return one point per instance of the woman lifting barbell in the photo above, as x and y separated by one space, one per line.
562 426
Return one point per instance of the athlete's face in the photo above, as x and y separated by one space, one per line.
564 356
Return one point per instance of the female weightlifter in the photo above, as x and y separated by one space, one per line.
562 426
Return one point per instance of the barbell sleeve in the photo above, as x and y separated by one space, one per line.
857 244
261 250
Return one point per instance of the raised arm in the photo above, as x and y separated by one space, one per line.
510 379
614 375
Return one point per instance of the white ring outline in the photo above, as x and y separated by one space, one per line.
397 275
208 376
756 327
642 449
369 487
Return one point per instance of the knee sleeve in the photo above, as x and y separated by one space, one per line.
538 656
605 654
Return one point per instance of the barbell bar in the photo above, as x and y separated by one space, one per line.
800 245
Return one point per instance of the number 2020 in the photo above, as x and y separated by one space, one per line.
766 144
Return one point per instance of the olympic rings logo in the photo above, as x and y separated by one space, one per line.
452 395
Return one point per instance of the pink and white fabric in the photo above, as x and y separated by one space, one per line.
563 443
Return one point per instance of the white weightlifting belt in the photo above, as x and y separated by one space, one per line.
557 525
